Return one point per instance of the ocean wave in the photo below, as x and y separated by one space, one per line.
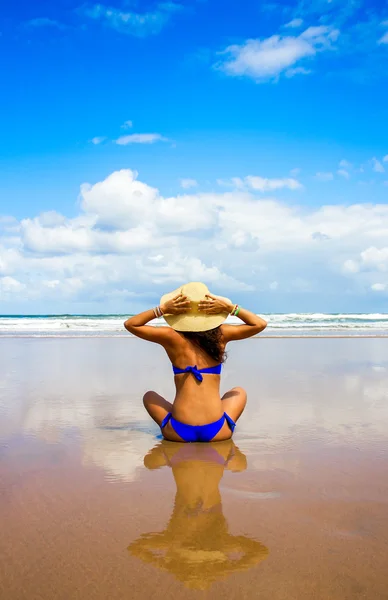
91 325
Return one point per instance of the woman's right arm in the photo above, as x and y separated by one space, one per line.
253 324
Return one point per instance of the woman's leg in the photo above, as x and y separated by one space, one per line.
233 403
158 407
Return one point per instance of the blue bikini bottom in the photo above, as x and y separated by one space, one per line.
198 433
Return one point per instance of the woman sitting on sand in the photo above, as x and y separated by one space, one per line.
195 343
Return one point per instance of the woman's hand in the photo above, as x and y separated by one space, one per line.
176 306
214 306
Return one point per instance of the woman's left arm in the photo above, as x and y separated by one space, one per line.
160 335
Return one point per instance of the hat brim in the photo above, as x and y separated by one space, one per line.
194 320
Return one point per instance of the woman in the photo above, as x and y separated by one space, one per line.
195 343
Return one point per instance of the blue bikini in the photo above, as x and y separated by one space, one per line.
198 433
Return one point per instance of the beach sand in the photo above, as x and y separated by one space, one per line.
93 505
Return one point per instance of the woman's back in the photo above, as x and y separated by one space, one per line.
196 402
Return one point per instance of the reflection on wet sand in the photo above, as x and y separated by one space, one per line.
196 546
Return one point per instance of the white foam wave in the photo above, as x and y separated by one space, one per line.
89 326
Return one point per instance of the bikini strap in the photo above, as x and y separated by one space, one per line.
165 420
197 374
230 422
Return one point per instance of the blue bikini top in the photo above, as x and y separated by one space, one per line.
198 372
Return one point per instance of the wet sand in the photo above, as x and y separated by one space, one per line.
93 505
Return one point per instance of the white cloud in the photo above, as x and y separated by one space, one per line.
233 182
371 260
351 266
343 173
297 71
51 218
52 283
127 125
8 225
375 258
324 176
185 213
385 159
345 164
140 138
295 23
98 140
6 220
383 39
264 184
188 183
261 184
376 165
128 238
139 24
9 285
379 287
44 22
70 238
132 200
267 59
124 203
193 269
243 240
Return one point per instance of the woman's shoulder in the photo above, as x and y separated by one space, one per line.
172 339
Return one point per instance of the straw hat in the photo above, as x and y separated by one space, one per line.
194 320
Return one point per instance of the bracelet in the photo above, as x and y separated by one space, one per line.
233 309
157 312
236 310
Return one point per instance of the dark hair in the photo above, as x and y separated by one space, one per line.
209 341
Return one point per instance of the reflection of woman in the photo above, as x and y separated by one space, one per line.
195 343
196 546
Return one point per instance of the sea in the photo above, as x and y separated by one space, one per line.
291 324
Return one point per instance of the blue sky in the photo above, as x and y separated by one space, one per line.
266 117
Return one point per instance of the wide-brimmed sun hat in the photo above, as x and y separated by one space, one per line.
194 320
